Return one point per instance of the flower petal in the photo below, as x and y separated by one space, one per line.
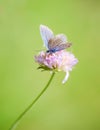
66 77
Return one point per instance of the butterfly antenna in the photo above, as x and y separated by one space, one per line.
39 50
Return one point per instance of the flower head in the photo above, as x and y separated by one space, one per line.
58 61
55 58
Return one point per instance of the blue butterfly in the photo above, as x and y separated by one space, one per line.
51 42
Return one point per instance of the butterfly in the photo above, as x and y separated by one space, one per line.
51 42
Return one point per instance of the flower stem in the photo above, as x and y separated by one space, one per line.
14 125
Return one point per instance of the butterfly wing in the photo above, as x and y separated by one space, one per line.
62 37
62 46
46 34
59 42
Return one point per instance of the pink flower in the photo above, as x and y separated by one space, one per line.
58 61
55 58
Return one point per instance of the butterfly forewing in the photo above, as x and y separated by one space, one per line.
62 37
46 34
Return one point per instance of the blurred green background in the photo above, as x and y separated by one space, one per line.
72 106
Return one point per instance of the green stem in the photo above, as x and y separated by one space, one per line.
14 125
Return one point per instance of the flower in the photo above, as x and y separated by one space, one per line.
58 61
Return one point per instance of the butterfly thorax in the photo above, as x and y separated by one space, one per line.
52 51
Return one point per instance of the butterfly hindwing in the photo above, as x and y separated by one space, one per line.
59 42
62 47
53 43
